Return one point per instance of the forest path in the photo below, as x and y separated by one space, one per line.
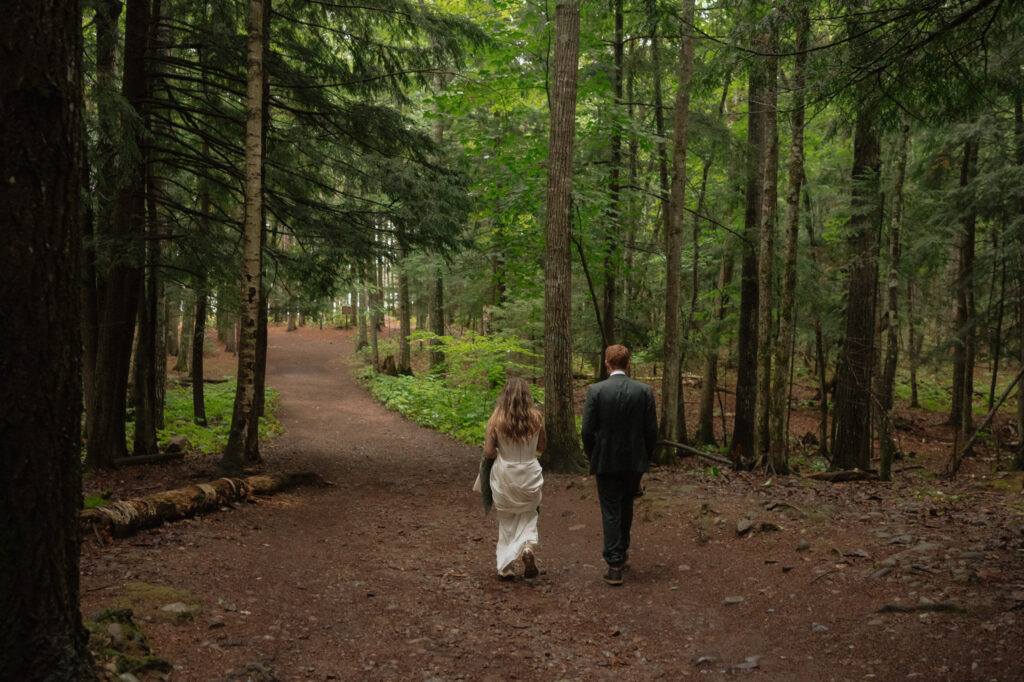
388 573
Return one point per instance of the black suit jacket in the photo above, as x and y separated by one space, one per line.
620 425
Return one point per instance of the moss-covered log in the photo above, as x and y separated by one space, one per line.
125 517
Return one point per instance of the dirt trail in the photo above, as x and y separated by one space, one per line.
387 574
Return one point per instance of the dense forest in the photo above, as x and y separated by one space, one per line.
743 192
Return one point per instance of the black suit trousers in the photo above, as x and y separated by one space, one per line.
616 493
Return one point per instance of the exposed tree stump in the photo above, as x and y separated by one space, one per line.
126 517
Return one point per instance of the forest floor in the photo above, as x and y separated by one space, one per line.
388 573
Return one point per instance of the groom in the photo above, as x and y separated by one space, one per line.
620 427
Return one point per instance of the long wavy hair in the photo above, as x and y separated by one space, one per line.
515 416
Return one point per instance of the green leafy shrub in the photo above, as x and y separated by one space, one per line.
461 413
460 402
479 360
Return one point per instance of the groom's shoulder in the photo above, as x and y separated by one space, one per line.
641 385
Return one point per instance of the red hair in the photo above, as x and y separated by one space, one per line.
617 356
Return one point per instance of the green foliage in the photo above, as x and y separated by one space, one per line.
481 361
97 500
460 412
460 403
220 400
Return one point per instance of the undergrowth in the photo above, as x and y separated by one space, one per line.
460 412
219 400
460 402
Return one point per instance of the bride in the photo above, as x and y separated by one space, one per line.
515 433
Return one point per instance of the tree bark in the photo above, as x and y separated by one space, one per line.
188 321
778 450
404 315
1018 129
361 307
766 259
372 322
252 273
120 259
41 214
915 341
613 237
150 350
172 305
104 94
627 288
887 444
705 434
853 401
963 419
741 446
252 456
437 321
672 428
563 441
198 336
996 336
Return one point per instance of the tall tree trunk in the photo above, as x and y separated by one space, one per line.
41 633
198 336
965 297
766 257
120 273
627 288
371 314
404 315
613 239
915 341
361 307
852 444
1018 129
671 427
104 94
705 434
252 443
150 362
188 321
887 444
778 450
563 440
252 271
437 320
996 338
172 313
659 115
741 446
377 305
252 456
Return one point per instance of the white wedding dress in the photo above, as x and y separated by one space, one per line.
516 483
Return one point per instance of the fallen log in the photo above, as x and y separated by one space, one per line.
125 517
148 459
695 451
844 476
941 607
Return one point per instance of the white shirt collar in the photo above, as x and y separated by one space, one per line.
617 371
